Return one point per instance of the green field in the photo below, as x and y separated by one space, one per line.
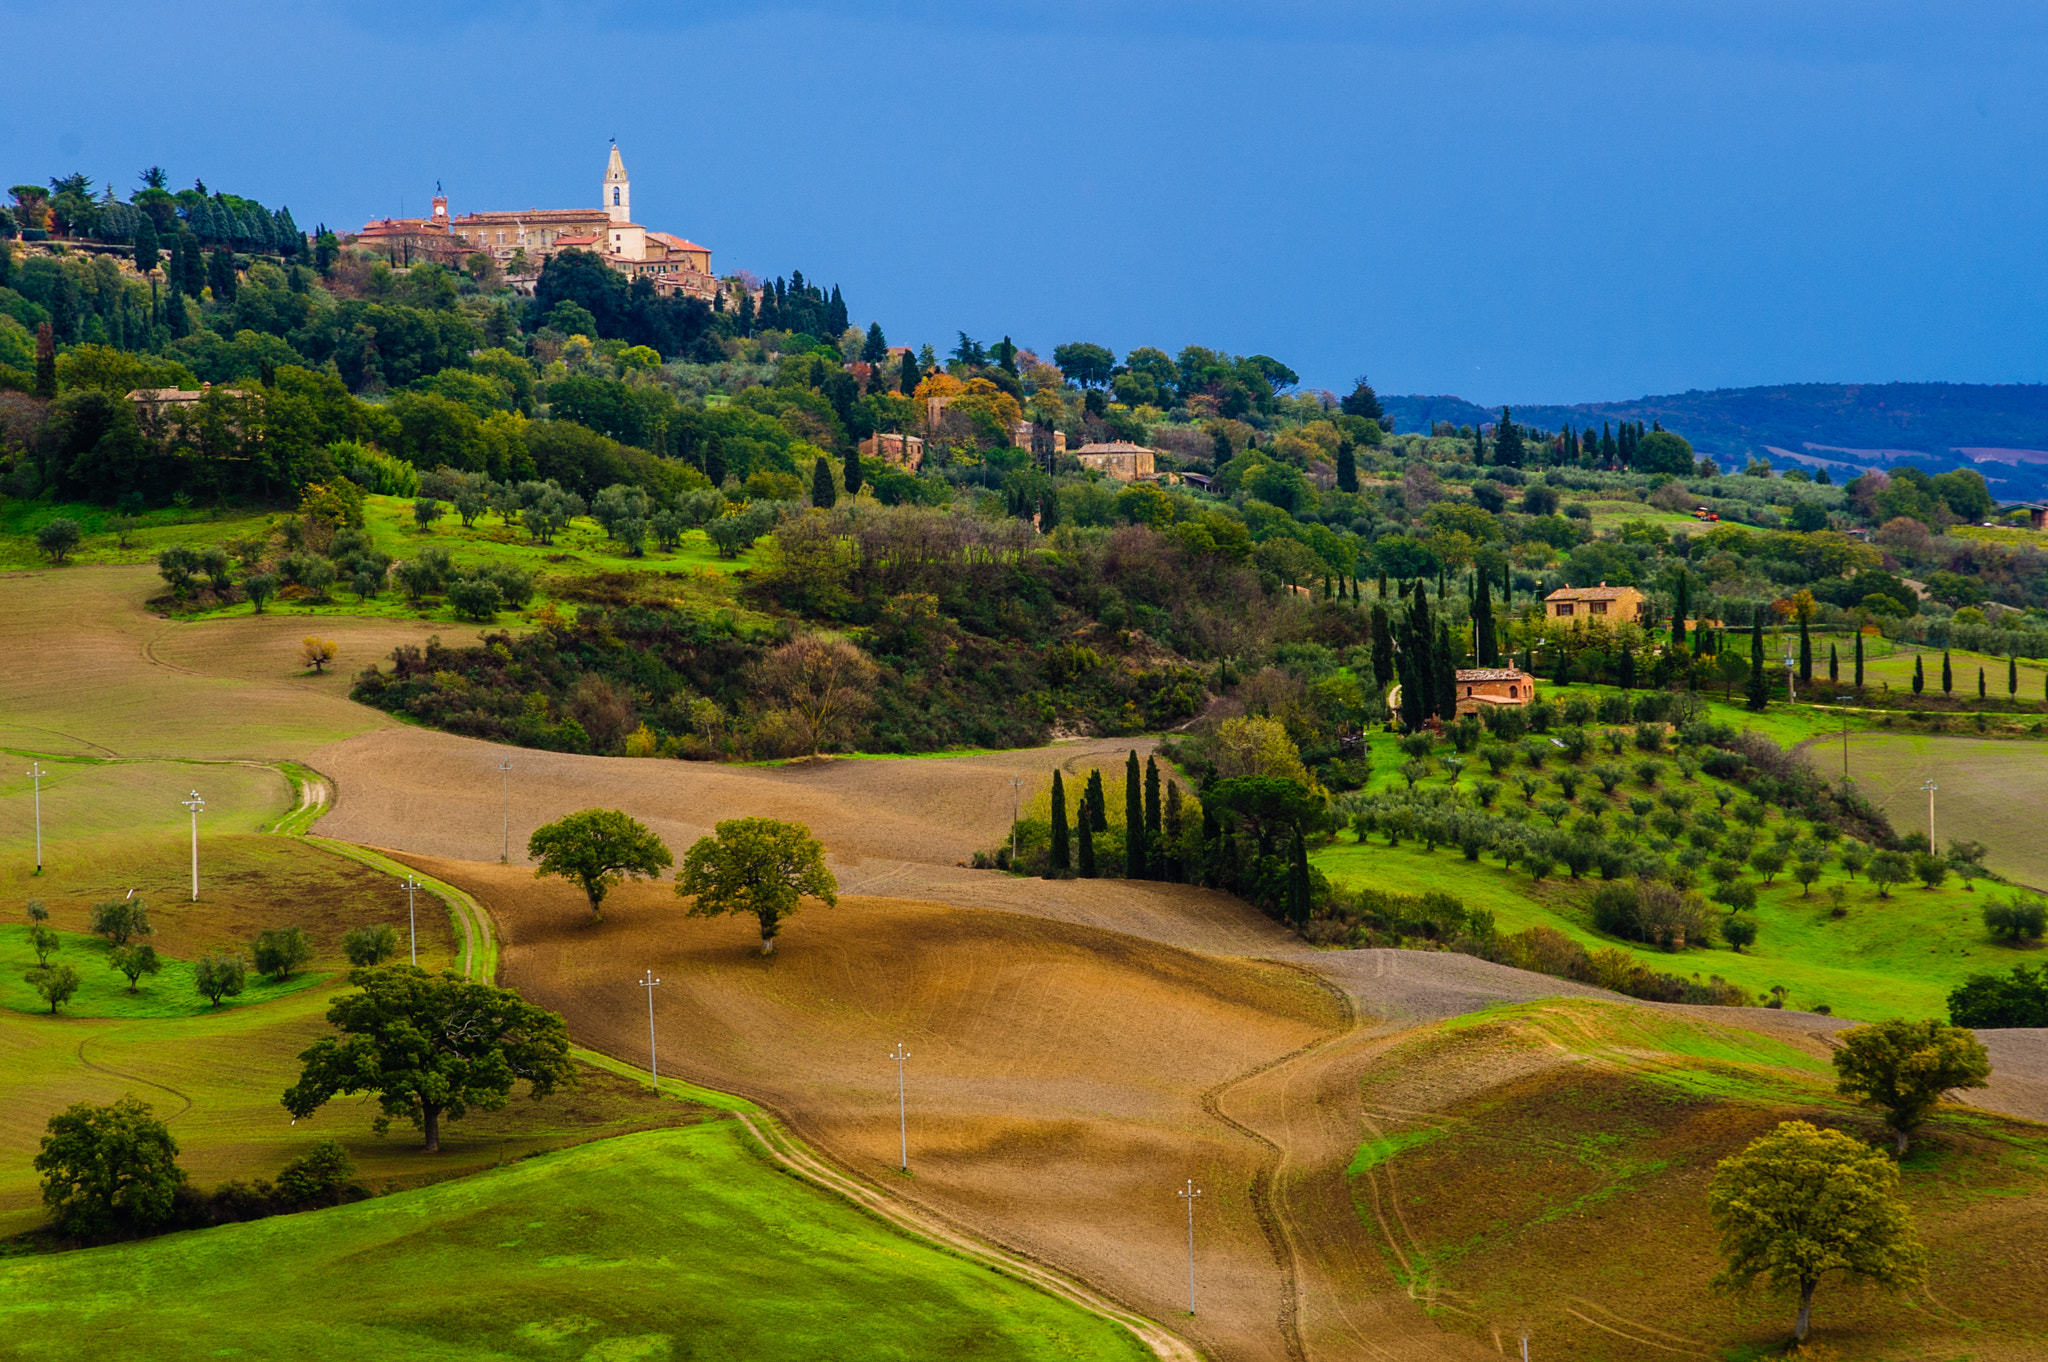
1989 791
672 1243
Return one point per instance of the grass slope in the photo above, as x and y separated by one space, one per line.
1529 1204
678 1243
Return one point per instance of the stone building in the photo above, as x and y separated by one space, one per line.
673 264
1619 604
906 450
1120 459
1482 688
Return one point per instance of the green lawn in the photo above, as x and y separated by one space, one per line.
19 520
672 1243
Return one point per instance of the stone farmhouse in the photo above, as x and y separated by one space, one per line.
1621 604
1483 688
672 264
1120 459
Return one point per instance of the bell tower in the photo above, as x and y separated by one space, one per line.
617 195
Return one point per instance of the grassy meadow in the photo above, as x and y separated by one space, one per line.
672 1243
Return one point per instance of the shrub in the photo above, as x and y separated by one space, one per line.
320 1177
58 538
1740 931
281 950
1650 737
2016 919
366 946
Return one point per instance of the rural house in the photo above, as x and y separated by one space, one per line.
1483 688
1120 459
1620 603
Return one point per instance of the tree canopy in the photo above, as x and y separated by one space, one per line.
1803 1202
431 1046
1904 1068
759 866
599 849
108 1170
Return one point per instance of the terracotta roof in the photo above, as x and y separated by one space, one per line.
1114 447
535 215
676 243
1494 674
165 395
575 241
1591 593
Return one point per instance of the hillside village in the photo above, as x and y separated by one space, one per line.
1466 856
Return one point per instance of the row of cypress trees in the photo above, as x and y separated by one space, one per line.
1152 824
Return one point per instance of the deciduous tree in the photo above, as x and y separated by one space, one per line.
756 865
108 1170
1904 1068
279 951
598 849
119 920
55 983
825 683
135 961
220 976
430 1047
371 945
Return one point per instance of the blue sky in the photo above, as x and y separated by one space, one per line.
1529 202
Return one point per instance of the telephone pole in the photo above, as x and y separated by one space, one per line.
902 1112
1188 1195
36 774
650 983
1930 787
198 806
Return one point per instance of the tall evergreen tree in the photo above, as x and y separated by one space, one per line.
1086 829
1134 819
147 255
876 348
906 375
1948 674
853 478
1627 668
2012 676
1919 676
1060 858
1382 646
1608 452
1805 653
1446 699
1297 883
1097 803
1834 665
1859 657
1154 813
1347 467
1507 441
824 491
835 315
46 360
1173 824
1485 651
1681 607
1980 683
1759 679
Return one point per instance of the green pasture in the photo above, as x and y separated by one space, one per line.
155 530
86 798
1895 669
673 1243
1988 791
1612 515
103 991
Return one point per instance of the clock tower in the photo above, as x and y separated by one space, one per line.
617 196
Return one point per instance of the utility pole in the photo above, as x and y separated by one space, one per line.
505 769
412 921
1016 794
1188 1195
36 774
1930 787
902 1112
1791 677
198 806
650 983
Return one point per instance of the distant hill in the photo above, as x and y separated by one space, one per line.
1999 429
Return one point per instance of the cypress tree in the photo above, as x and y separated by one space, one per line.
906 374
146 253
852 469
1759 679
1627 668
1681 608
1172 825
1382 647
1154 814
1446 675
1834 665
1098 806
1134 820
1980 683
1859 657
1211 833
1347 467
1087 830
46 360
2012 677
824 492
1948 675
1805 653
835 315
1297 883
1061 857
1919 675
1483 645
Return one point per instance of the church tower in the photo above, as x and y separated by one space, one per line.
617 196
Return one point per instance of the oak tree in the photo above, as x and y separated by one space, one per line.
759 866
1904 1069
598 849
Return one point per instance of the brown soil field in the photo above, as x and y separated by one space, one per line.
1060 1084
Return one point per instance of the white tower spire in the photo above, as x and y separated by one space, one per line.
617 194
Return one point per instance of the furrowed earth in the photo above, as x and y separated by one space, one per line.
1402 1154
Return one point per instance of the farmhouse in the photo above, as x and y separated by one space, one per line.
1120 459
1619 603
670 263
904 450
1483 688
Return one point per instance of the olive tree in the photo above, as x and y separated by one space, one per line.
121 920
759 866
219 976
370 945
135 961
280 951
1802 1202
598 849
